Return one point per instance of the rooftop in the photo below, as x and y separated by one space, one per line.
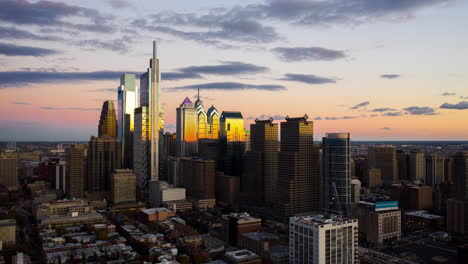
423 214
7 222
155 210
232 114
261 236
320 220
241 255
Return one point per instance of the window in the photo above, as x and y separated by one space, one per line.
228 127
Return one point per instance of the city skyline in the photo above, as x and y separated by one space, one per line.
247 57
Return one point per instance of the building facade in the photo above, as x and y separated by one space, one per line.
75 181
9 171
123 187
384 158
127 102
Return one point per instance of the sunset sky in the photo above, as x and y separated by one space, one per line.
379 69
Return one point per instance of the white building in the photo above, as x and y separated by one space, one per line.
168 193
316 239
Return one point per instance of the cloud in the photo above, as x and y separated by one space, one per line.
307 54
393 114
52 14
69 108
363 104
119 4
318 118
14 50
172 76
25 78
448 94
463 97
373 115
111 90
460 106
384 109
20 103
15 33
265 117
386 128
340 118
309 79
231 86
118 45
170 126
390 76
226 68
416 110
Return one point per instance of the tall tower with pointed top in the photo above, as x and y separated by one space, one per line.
154 94
186 128
108 121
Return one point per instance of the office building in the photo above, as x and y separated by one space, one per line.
422 221
9 171
108 121
448 170
127 102
58 175
416 167
299 182
102 160
235 225
21 258
123 187
380 222
67 213
149 124
457 216
232 126
261 242
197 176
434 169
7 232
460 174
75 164
186 128
155 214
337 172
317 239
260 178
227 190
374 178
402 162
213 122
413 197
384 158
208 148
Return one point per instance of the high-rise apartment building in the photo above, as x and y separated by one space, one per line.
299 182
316 239
434 169
75 162
337 172
127 102
384 158
9 171
260 178
416 166
186 128
123 187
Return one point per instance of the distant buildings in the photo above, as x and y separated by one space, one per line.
384 158
123 187
316 239
434 169
416 166
67 213
9 171
457 209
413 197
374 178
337 172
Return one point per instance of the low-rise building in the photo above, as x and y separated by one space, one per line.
202 204
237 224
261 242
155 214
380 222
178 206
242 256
422 221
8 232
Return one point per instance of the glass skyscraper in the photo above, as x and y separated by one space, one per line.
337 172
127 102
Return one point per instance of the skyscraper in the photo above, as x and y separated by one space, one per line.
299 183
108 121
232 143
384 158
260 178
416 166
232 126
403 168
337 172
213 122
434 169
186 128
460 173
149 125
127 102
104 154
75 155
9 171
